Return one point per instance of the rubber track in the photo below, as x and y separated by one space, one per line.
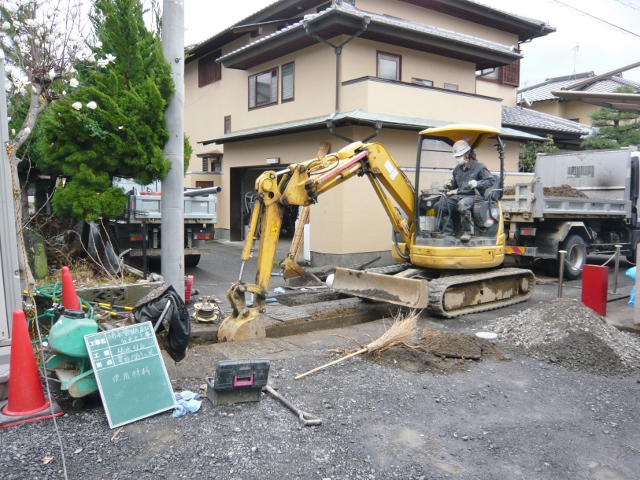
438 287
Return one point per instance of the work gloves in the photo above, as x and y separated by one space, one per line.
472 184
448 185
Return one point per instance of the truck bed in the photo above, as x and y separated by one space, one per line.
529 203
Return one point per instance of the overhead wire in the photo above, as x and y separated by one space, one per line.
624 30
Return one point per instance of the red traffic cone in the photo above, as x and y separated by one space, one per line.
69 296
26 401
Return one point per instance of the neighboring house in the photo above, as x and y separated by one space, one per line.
566 134
276 87
540 97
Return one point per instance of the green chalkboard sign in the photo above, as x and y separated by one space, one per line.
131 374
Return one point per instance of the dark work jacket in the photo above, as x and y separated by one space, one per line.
176 322
474 171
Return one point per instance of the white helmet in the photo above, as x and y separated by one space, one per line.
460 148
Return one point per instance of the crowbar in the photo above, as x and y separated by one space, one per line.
307 419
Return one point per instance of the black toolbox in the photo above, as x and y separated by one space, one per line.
238 381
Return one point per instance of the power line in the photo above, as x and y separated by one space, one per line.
628 4
596 18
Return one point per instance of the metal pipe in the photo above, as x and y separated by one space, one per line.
202 191
561 254
615 278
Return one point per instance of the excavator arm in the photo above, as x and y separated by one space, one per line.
301 184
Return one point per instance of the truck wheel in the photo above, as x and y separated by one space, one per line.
575 258
191 260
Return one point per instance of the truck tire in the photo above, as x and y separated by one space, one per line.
191 260
576 256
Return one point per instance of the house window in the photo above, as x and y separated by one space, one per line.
388 66
507 75
451 86
287 82
421 81
209 71
489 73
263 89
205 164
227 124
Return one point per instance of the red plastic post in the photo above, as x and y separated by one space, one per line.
595 283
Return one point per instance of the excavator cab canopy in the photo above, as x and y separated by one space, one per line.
475 135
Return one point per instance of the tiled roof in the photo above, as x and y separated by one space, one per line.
542 91
526 118
355 116
408 25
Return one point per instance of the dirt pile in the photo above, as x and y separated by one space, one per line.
439 352
567 333
561 191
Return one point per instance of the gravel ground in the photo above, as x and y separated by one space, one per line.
530 406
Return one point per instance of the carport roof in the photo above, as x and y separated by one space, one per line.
355 117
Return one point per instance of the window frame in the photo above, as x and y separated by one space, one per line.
293 83
273 100
227 124
452 87
423 82
390 56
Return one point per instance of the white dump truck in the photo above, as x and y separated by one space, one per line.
581 202
138 229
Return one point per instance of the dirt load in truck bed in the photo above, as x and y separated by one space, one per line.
561 191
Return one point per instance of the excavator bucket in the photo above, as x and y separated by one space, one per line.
297 276
399 290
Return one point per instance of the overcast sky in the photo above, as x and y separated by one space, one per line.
584 41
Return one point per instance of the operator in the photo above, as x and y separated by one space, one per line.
468 176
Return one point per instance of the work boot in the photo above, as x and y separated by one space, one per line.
467 229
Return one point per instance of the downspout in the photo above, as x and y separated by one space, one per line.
338 51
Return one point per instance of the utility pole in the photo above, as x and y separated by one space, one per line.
10 299
172 249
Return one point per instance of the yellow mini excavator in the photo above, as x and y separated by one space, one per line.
428 273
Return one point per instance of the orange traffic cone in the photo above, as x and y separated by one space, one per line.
26 401
69 296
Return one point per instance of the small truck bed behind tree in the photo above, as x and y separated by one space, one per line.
582 202
142 219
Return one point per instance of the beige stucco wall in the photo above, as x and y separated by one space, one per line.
550 107
569 110
572 110
428 103
507 93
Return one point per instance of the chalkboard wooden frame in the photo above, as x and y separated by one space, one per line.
131 374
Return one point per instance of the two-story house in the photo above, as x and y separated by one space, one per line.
298 75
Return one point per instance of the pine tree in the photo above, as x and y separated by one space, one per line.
615 128
113 123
